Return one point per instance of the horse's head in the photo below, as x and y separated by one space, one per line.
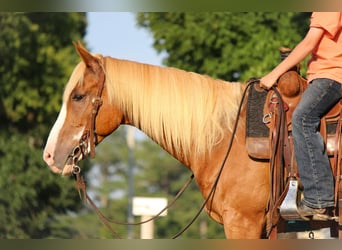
85 109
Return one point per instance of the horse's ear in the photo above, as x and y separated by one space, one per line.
91 61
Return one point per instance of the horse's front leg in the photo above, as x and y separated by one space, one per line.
243 226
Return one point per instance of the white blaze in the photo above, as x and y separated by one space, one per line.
52 139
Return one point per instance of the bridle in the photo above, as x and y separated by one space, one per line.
88 139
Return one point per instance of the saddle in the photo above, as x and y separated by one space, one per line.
273 142
291 86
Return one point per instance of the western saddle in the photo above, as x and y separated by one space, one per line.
277 148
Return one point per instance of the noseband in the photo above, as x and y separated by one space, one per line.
88 139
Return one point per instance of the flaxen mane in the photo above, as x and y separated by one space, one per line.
188 111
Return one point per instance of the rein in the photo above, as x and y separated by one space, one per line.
88 141
81 186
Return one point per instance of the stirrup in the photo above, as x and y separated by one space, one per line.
288 208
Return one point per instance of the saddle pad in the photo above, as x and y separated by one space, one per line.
254 115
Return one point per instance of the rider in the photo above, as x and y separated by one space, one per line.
324 42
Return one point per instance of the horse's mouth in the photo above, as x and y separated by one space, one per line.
69 166
67 170
55 170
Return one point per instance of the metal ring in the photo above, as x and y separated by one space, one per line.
311 235
267 118
97 101
76 169
76 151
274 100
74 160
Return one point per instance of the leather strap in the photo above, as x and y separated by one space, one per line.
89 137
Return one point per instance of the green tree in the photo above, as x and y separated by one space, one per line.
230 46
36 59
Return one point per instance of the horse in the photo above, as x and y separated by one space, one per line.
189 115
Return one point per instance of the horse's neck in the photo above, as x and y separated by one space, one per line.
176 153
182 136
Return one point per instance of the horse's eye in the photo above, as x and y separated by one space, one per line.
77 97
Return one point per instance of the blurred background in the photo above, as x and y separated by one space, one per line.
36 60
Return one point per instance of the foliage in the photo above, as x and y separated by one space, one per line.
35 62
36 59
31 194
230 46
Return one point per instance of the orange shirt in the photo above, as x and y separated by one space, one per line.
326 61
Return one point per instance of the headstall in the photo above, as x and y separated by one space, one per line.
88 139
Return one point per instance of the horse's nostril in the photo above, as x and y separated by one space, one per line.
48 158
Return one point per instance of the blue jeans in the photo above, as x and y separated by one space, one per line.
310 151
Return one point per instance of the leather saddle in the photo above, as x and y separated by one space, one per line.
291 86
275 144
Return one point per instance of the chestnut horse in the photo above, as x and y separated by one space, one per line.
190 115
